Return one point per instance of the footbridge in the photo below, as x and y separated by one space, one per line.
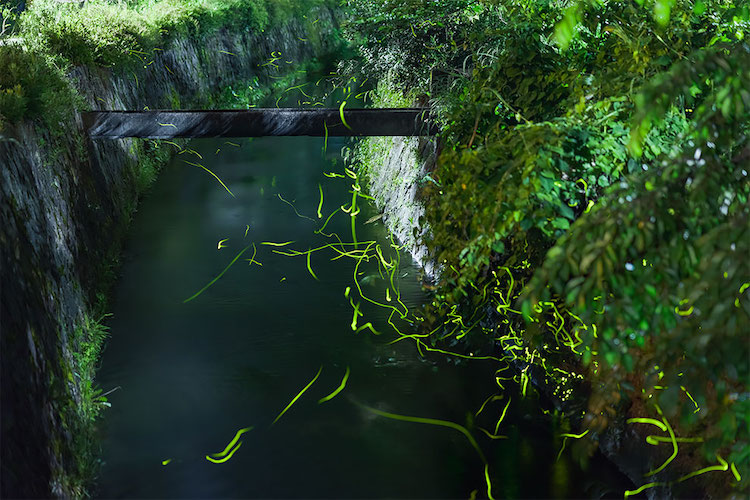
258 122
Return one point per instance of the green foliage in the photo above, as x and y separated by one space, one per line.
31 85
88 339
666 250
596 153
99 33
53 36
8 18
82 413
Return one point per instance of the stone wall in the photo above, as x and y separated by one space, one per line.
65 202
394 168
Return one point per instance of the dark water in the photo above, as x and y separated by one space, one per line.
192 374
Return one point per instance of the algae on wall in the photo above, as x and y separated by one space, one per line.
64 206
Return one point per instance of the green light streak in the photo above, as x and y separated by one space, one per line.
216 278
494 397
299 394
222 460
674 446
320 205
489 483
429 421
232 442
723 468
647 421
490 435
576 436
276 244
294 208
644 487
215 176
502 415
341 113
309 267
338 389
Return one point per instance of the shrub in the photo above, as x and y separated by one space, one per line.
30 85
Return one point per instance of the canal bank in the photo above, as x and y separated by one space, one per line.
65 206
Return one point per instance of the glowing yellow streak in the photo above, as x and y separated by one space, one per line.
489 483
655 440
576 436
173 144
309 267
247 228
644 487
222 460
320 231
220 246
341 113
232 442
433 349
430 421
320 204
196 153
252 260
166 462
218 277
356 315
674 447
369 326
647 421
684 313
271 243
338 389
167 124
294 208
502 416
215 176
492 436
359 288
300 393
225 52
723 467
736 473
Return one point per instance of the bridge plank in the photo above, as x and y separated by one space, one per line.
258 122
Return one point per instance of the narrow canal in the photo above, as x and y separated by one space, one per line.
191 374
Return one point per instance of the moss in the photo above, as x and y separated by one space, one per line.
101 34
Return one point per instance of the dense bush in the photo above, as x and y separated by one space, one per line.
100 33
30 85
592 196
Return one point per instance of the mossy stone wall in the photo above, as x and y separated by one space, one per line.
65 203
